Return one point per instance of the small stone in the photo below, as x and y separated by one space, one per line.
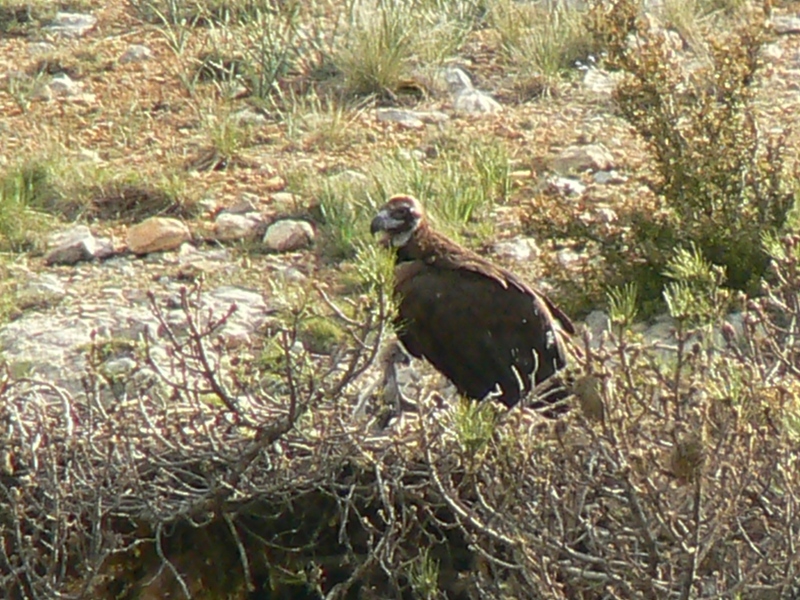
288 235
457 81
580 158
566 185
784 24
235 226
475 102
244 298
411 155
136 53
406 118
609 178
599 81
156 234
247 116
519 249
293 275
43 93
247 203
71 246
285 198
63 85
71 24
465 97
104 248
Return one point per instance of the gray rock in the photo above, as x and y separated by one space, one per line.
475 102
91 156
465 97
43 291
290 274
519 249
71 246
62 85
244 298
71 24
411 155
600 82
609 178
350 175
157 234
247 203
136 53
247 116
406 118
232 226
569 186
251 313
104 248
288 235
785 24
595 157
457 81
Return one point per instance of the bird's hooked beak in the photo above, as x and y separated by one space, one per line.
382 222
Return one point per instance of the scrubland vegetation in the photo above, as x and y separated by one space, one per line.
240 472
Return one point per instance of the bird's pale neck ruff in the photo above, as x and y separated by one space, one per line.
399 240
418 243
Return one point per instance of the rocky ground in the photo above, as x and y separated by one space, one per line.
105 95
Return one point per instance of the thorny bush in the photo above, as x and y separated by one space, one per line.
675 475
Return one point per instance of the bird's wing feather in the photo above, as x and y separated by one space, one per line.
458 259
477 327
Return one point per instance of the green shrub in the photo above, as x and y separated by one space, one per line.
721 182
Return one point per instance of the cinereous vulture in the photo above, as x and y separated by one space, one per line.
479 324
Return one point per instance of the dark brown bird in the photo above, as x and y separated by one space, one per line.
477 323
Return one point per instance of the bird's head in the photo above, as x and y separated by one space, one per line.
399 218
